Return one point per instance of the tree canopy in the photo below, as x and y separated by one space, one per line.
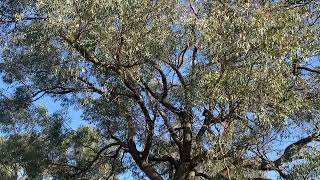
170 89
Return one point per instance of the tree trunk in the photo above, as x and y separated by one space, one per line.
182 172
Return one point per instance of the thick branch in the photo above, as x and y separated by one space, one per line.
131 85
210 119
181 57
263 164
180 77
148 141
164 158
144 165
173 134
164 84
162 101
294 148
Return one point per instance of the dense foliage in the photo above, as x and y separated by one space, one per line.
170 89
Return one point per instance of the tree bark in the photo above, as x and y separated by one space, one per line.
143 165
186 122
150 172
182 172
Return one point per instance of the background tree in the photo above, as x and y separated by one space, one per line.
170 89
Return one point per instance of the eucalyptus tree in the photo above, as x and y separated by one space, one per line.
170 89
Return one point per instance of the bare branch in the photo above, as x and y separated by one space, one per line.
176 70
162 101
96 158
173 134
181 57
193 9
309 69
86 54
4 21
91 85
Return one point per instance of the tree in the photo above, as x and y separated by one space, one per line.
170 89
